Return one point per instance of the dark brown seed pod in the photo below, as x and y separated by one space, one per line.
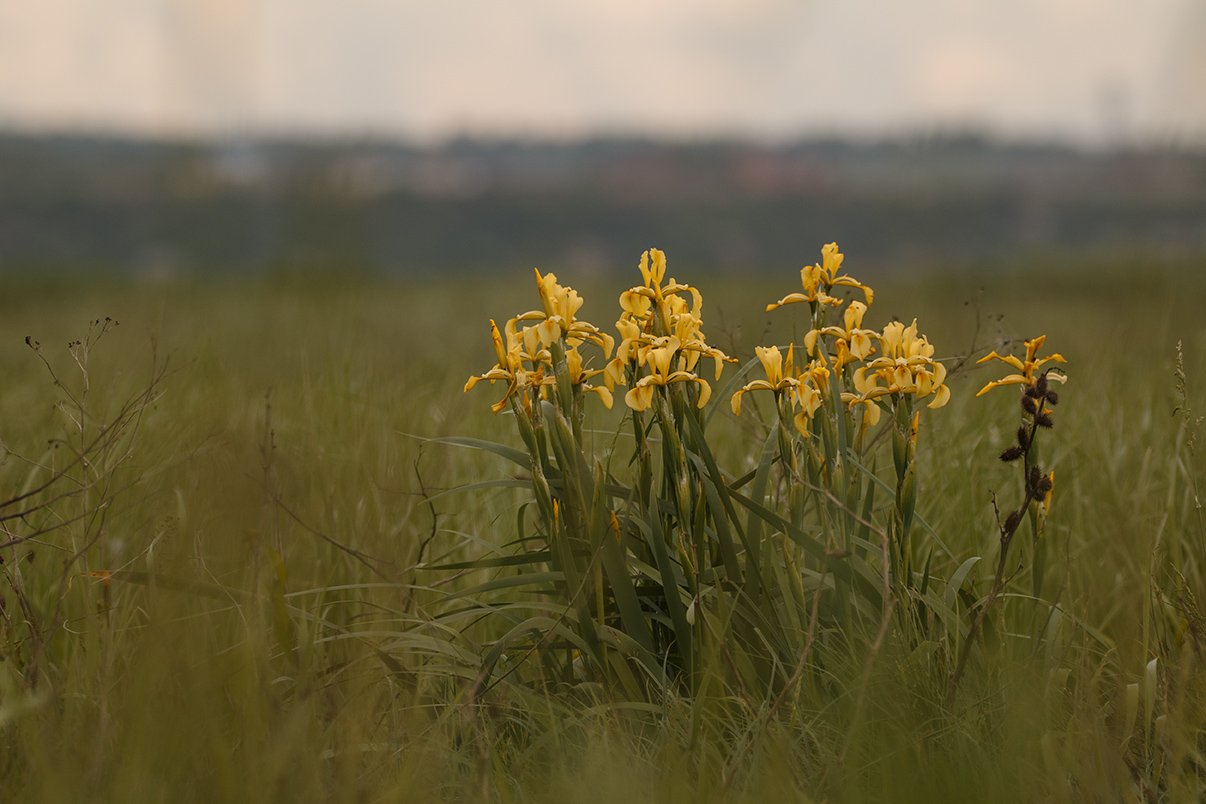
1011 521
1029 405
1033 392
1023 437
1044 420
1045 485
1040 384
1012 454
1052 398
1033 479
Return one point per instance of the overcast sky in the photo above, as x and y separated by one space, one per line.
1081 69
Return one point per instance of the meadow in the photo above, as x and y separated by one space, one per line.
240 564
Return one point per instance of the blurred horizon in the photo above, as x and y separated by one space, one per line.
1112 73
162 209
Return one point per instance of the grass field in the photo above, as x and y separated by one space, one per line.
232 597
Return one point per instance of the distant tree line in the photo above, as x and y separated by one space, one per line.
84 203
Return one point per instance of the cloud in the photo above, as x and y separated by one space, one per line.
685 67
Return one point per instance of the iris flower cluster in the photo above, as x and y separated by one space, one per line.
525 359
906 365
661 336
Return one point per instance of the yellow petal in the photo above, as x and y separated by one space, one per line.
891 338
860 345
644 266
718 358
735 402
870 414
903 378
810 341
613 373
1012 379
860 380
854 315
635 302
659 359
832 259
1032 347
809 398
772 362
658 269
548 331
1010 359
639 397
602 393
790 298
531 339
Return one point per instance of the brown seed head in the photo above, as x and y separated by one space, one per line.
1023 437
1044 420
1011 521
1029 405
1012 454
1032 480
1040 384
1052 398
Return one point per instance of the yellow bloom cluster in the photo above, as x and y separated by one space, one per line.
660 332
524 360
906 364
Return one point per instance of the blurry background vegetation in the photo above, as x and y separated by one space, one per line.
251 207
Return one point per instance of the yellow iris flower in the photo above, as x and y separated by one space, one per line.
819 280
809 399
662 297
560 305
554 322
687 328
778 378
509 368
810 278
579 376
853 343
831 262
906 367
659 360
1027 367
654 314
